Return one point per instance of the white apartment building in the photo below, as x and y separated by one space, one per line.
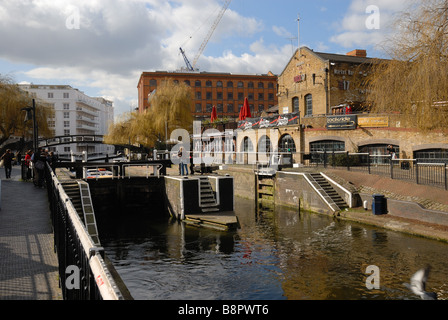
75 114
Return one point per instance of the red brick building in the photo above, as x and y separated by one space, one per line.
226 91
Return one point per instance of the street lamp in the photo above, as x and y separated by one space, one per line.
31 115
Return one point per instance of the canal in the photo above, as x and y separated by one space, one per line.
273 256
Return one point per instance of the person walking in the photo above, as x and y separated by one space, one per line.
39 162
7 162
28 164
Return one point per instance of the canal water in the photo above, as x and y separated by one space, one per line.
275 255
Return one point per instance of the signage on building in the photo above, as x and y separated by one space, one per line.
346 122
344 72
300 78
269 122
373 122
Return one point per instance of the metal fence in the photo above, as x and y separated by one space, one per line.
413 170
83 274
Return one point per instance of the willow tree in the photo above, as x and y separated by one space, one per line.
170 109
414 83
12 100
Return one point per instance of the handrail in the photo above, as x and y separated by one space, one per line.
105 283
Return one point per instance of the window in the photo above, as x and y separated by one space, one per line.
250 84
219 95
66 95
270 85
295 104
66 106
230 107
260 85
220 108
229 84
260 107
67 149
66 132
378 150
219 84
198 95
66 124
309 105
432 155
250 96
240 95
51 123
66 115
327 145
264 145
287 144
240 84
247 145
270 96
229 95
208 95
198 108
50 95
260 96
153 83
208 108
208 83
197 83
187 82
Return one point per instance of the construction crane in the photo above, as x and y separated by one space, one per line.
191 67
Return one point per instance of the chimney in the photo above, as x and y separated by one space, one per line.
358 53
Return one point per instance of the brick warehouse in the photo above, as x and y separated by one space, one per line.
319 87
226 91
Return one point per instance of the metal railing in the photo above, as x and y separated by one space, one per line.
83 274
412 170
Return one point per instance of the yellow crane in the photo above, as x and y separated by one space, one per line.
191 67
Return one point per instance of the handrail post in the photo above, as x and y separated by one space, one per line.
416 171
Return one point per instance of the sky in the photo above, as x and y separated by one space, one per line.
101 47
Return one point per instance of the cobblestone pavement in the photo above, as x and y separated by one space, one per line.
28 263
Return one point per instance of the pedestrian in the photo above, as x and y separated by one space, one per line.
391 151
39 162
28 164
18 158
183 167
7 162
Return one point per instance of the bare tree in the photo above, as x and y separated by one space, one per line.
414 82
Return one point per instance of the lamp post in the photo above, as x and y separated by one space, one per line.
31 115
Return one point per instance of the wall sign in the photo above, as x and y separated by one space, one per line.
346 122
373 122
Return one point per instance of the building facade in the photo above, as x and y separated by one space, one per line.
75 113
315 83
224 90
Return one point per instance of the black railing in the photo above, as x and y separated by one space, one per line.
83 274
412 170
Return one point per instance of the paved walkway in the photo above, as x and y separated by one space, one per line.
28 263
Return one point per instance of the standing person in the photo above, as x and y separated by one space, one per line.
7 162
39 162
182 164
28 155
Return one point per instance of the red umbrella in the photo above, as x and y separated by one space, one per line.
245 110
214 116
246 107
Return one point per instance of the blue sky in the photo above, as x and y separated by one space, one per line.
101 47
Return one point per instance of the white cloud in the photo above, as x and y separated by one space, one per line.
352 29
116 40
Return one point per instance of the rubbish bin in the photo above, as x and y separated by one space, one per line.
379 204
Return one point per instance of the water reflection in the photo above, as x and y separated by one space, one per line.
281 255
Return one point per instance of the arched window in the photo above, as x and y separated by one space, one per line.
197 83
229 84
208 83
309 105
250 84
247 145
260 85
240 84
287 144
219 84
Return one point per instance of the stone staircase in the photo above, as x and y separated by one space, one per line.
207 198
328 192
